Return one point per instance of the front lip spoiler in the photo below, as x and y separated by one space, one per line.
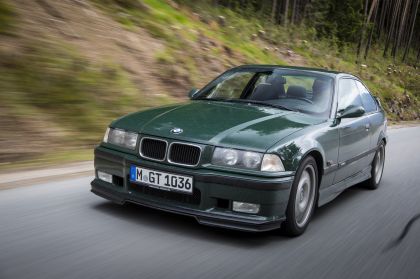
202 217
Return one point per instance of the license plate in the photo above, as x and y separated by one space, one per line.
162 180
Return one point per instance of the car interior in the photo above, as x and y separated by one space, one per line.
273 88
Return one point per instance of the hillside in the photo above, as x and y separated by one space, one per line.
68 67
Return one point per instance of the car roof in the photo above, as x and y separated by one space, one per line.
306 69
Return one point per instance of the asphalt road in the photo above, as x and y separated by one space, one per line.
61 230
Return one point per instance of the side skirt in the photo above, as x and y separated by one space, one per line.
328 194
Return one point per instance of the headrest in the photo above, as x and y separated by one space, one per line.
295 91
264 92
320 85
276 79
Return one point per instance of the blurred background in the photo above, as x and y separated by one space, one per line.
68 67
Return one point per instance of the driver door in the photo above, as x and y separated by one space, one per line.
354 133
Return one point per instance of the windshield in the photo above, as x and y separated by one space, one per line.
301 91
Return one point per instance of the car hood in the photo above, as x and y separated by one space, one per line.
235 125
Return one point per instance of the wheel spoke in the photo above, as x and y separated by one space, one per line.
305 195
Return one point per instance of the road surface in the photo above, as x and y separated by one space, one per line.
61 230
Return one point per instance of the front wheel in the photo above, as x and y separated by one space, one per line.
377 168
302 198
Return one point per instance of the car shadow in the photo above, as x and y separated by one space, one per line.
347 195
188 226
184 225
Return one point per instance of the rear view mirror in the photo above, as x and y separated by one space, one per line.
351 112
192 93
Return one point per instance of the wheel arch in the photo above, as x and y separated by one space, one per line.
382 137
319 159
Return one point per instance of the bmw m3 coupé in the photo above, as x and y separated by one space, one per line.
258 148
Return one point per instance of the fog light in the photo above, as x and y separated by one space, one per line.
246 207
105 176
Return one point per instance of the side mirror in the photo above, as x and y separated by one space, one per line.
351 112
192 93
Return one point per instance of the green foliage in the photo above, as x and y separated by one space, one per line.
342 19
165 57
7 17
60 83
325 39
180 31
412 82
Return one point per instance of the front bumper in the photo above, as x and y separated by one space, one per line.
214 192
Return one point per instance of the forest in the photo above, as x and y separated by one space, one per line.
391 24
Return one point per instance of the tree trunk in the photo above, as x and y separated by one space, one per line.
293 18
413 23
371 31
384 9
392 26
372 8
274 11
304 10
286 10
418 56
362 32
400 30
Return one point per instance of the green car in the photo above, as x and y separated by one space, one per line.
258 148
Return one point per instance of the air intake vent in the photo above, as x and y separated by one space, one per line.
193 199
184 154
153 149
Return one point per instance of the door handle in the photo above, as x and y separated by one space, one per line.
367 127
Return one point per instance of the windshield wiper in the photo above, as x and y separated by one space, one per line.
212 99
262 103
248 102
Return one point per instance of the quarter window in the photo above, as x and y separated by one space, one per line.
348 94
368 102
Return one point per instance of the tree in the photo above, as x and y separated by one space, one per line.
397 41
293 17
413 23
371 31
362 32
392 27
274 11
286 10
392 24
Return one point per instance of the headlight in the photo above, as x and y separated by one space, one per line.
236 158
228 157
246 160
121 138
251 160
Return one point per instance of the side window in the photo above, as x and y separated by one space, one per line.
368 102
348 94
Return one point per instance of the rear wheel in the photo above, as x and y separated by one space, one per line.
302 198
377 168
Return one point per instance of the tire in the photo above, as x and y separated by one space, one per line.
303 197
377 168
